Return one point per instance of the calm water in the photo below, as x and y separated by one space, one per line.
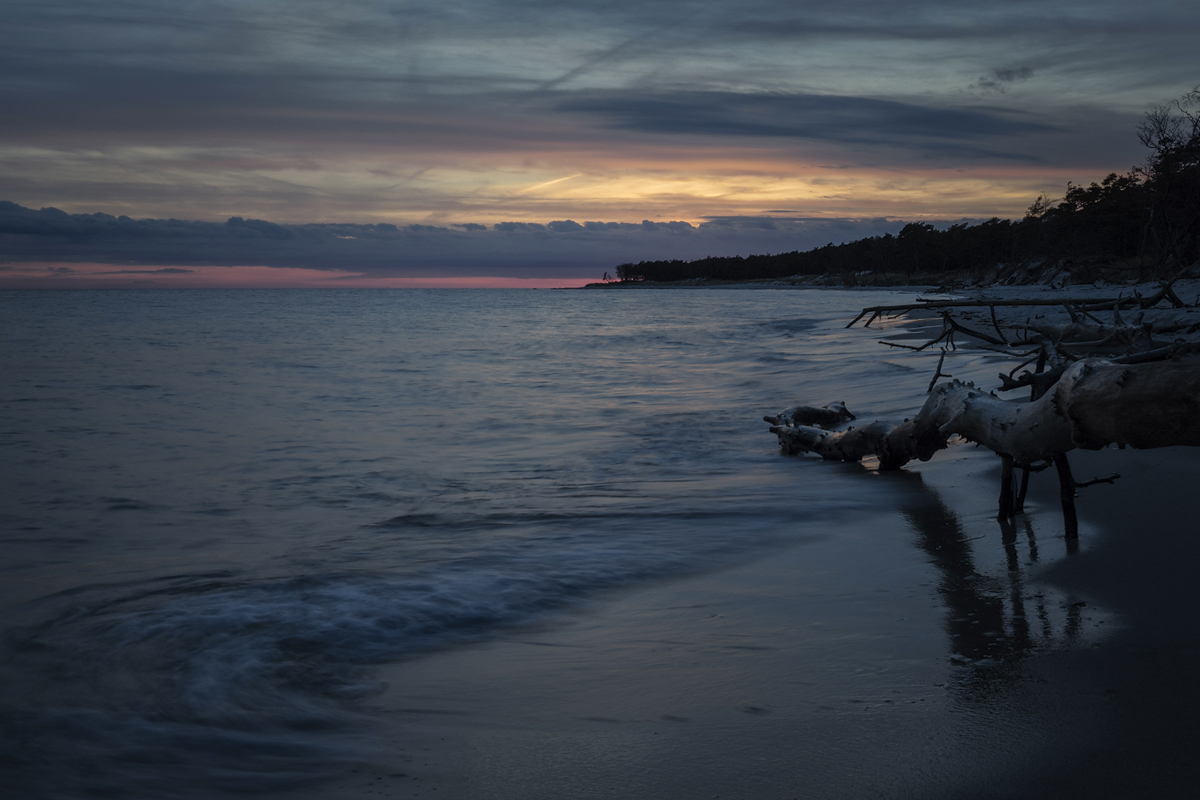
220 509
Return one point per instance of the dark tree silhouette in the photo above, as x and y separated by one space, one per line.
1144 224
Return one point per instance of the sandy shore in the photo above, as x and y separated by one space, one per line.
1186 288
918 650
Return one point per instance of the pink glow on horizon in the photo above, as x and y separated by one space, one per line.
109 276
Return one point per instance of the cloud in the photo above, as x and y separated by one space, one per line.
826 118
425 110
998 80
163 271
561 248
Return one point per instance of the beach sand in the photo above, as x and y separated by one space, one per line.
916 650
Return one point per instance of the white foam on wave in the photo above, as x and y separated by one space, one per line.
253 685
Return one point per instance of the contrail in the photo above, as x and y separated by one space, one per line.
548 183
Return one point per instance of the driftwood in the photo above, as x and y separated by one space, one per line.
1085 304
1142 393
1138 335
832 414
1092 404
1042 381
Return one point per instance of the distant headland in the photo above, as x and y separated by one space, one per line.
1140 226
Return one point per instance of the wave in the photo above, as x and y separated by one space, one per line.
241 686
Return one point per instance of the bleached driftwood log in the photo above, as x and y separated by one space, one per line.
832 414
1141 405
1093 404
1166 292
1137 336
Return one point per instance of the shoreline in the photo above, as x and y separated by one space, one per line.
1185 287
917 650
765 679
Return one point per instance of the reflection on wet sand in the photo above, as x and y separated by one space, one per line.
994 617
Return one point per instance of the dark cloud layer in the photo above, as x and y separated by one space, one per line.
563 248
455 111
830 118
999 79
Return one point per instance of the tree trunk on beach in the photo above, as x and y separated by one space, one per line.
1093 404
1146 397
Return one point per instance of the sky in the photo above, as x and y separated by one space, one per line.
526 142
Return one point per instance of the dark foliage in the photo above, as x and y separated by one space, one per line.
1143 224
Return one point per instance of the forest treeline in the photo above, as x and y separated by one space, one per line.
1144 224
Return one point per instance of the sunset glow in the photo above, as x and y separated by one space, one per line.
109 276
467 116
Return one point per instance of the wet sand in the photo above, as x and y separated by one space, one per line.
916 650
920 651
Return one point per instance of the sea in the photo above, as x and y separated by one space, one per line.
223 511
